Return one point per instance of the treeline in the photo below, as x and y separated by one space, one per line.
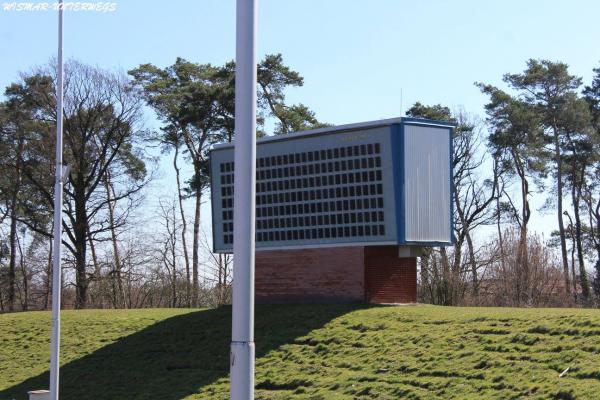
118 254
541 135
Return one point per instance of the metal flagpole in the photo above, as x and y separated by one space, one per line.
58 200
242 338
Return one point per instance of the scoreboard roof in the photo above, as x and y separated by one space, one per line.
342 128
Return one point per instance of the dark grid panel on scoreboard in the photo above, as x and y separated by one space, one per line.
322 195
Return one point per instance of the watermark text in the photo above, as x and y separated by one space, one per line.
99 6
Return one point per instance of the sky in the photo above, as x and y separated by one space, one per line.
361 60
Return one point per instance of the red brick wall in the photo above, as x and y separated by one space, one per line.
335 274
389 278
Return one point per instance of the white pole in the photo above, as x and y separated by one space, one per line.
242 337
58 197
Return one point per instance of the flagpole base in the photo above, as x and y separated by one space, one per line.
242 370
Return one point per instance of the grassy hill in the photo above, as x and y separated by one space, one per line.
312 352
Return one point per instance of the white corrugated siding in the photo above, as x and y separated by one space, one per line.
427 183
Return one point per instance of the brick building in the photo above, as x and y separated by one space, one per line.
373 274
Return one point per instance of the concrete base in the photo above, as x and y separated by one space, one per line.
373 274
39 395
410 251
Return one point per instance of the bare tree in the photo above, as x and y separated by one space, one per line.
102 130
219 274
499 286
167 245
473 195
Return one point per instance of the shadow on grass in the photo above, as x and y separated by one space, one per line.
172 359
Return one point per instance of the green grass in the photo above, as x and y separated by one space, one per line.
312 352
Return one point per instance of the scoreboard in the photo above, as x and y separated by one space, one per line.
384 182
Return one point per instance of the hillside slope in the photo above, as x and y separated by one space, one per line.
312 352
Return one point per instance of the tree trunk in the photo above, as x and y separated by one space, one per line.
195 249
522 255
174 258
80 229
97 277
425 270
12 264
25 277
445 296
499 229
596 280
473 265
458 247
522 259
183 228
596 218
573 281
561 227
48 277
220 280
576 195
119 296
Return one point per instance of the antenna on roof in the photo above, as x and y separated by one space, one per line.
401 108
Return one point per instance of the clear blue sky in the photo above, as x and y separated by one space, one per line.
355 56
